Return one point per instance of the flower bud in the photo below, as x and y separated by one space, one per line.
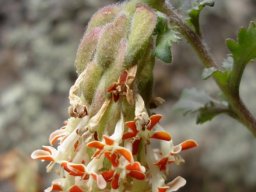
109 41
142 26
103 16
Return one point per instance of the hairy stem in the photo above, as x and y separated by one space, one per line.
235 102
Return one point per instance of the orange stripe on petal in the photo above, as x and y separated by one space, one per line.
132 126
163 189
162 163
96 144
188 144
56 187
112 158
125 153
108 140
107 175
54 136
154 119
133 166
42 155
162 135
129 135
137 175
115 181
135 146
75 188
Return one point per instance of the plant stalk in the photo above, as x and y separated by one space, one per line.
235 102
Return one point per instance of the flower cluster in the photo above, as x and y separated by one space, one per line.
109 141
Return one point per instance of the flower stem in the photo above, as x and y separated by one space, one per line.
234 100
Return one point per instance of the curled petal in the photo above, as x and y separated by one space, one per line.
54 187
74 169
162 135
163 189
108 140
188 144
135 146
136 166
115 181
132 126
57 185
56 135
125 153
44 154
176 183
108 175
96 144
162 163
75 188
129 135
137 175
113 158
154 119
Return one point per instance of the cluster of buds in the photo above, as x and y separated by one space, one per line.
110 141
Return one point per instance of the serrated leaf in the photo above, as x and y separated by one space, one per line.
243 51
194 14
200 103
166 36
164 44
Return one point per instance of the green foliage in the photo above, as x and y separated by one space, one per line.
200 103
166 36
242 52
194 14
244 49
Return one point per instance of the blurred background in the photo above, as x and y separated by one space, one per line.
38 42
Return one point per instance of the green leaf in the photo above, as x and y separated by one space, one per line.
221 75
243 51
194 14
164 44
166 36
200 103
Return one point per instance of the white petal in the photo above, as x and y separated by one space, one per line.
119 130
176 184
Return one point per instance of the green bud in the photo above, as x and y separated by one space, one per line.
109 41
103 16
91 80
86 49
143 24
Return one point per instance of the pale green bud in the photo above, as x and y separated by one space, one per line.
142 27
103 16
109 41
86 49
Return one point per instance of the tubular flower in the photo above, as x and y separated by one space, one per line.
107 143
